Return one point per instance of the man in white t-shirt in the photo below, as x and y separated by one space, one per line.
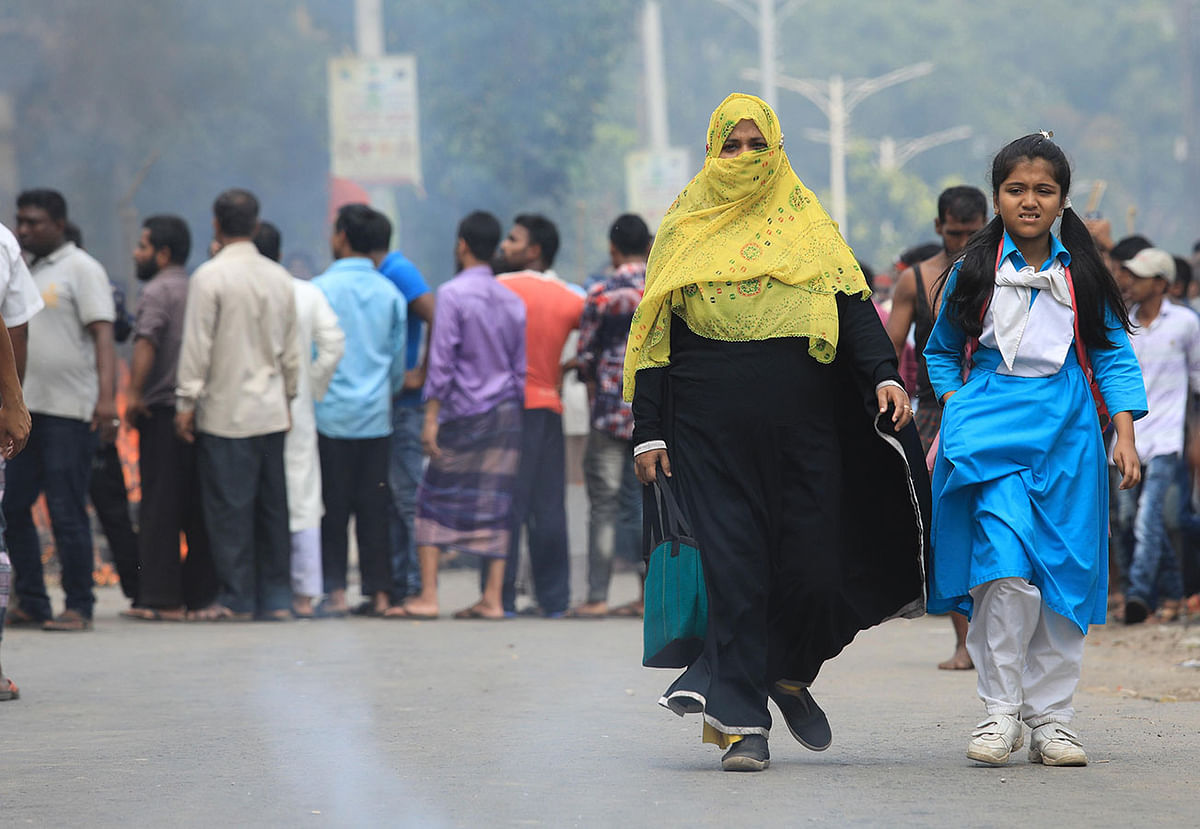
70 392
1167 343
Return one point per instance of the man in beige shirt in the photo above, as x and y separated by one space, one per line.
238 372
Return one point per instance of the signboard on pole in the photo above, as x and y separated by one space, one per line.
373 127
653 178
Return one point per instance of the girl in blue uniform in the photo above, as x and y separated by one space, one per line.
1019 533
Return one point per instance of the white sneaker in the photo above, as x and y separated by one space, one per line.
1053 744
995 739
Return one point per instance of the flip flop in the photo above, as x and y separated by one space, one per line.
576 613
282 615
219 613
8 690
367 609
324 611
626 611
408 615
153 614
474 612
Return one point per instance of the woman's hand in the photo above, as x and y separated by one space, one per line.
1125 456
646 465
1126 459
890 395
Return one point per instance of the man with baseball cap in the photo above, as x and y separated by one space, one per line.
1167 343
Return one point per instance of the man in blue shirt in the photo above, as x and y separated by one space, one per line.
408 411
354 420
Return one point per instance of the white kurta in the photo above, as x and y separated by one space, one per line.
321 345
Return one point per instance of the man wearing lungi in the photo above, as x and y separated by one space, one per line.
474 396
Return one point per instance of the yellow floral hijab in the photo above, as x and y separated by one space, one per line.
740 219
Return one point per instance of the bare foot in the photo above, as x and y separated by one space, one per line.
961 661
420 608
589 610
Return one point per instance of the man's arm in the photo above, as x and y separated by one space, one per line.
429 429
330 342
105 419
143 360
195 354
14 417
904 301
19 336
422 308
291 348
443 350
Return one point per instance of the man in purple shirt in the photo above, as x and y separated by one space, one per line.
474 396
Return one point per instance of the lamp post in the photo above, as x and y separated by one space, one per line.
763 15
837 98
895 154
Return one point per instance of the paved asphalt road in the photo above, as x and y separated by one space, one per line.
526 722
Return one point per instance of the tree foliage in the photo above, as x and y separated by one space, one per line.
534 105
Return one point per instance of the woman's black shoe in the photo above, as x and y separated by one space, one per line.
804 718
747 754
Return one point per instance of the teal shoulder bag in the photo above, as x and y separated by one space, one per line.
676 603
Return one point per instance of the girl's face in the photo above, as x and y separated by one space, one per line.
744 137
1029 200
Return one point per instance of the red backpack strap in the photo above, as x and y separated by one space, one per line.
973 343
1080 351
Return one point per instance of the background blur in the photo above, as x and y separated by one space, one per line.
132 107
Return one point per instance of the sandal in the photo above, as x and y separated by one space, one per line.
324 610
367 608
153 614
580 613
218 613
474 612
631 610
8 689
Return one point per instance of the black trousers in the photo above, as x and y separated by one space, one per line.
170 506
539 506
110 499
244 492
354 481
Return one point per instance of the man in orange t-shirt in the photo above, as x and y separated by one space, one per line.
552 311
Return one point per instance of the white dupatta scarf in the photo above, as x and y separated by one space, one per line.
1032 336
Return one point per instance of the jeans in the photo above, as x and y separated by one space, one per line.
58 461
539 505
1154 570
615 499
244 492
404 476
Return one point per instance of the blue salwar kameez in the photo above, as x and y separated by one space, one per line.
1020 485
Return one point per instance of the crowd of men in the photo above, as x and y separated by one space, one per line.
275 412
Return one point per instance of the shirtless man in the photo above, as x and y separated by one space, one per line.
962 211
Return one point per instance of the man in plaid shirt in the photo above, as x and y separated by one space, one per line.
612 487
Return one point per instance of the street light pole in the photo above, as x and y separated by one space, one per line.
764 15
893 155
837 98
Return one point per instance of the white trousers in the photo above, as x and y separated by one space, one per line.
1028 657
307 579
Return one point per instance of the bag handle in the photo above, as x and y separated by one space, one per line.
668 508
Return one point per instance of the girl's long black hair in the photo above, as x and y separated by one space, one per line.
1095 288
